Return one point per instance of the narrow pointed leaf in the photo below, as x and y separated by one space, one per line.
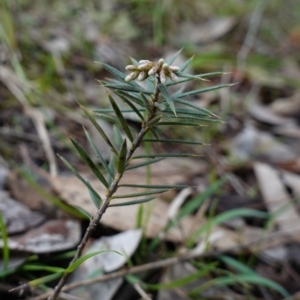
111 166
185 65
99 129
133 202
128 88
117 73
204 90
149 186
170 60
118 139
84 181
172 141
120 117
145 163
137 111
188 103
154 155
121 164
179 123
97 152
132 97
154 121
140 194
191 112
197 120
110 110
195 77
146 103
167 97
86 158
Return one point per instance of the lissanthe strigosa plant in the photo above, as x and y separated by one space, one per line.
156 107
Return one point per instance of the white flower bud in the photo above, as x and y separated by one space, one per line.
174 68
131 68
145 67
153 70
160 63
144 61
142 76
162 77
173 76
165 66
131 76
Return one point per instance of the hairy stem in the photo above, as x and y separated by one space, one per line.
112 189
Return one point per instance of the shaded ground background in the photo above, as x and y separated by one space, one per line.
47 55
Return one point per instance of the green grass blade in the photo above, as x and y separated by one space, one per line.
159 191
97 152
40 267
238 266
145 163
241 279
99 129
204 90
149 186
228 215
154 155
86 158
185 280
140 201
120 117
4 237
169 141
96 198
121 163
167 97
82 259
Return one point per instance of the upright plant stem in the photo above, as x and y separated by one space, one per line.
112 189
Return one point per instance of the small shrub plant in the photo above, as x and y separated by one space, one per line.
156 107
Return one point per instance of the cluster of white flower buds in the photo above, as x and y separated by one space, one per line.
148 68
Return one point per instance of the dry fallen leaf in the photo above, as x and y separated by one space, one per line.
277 199
52 236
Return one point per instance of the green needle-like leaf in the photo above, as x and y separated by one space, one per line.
164 155
185 65
171 59
172 141
146 103
120 118
140 194
188 103
133 202
86 158
137 111
167 97
96 198
121 164
97 152
204 90
128 88
145 163
181 123
99 129
154 121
